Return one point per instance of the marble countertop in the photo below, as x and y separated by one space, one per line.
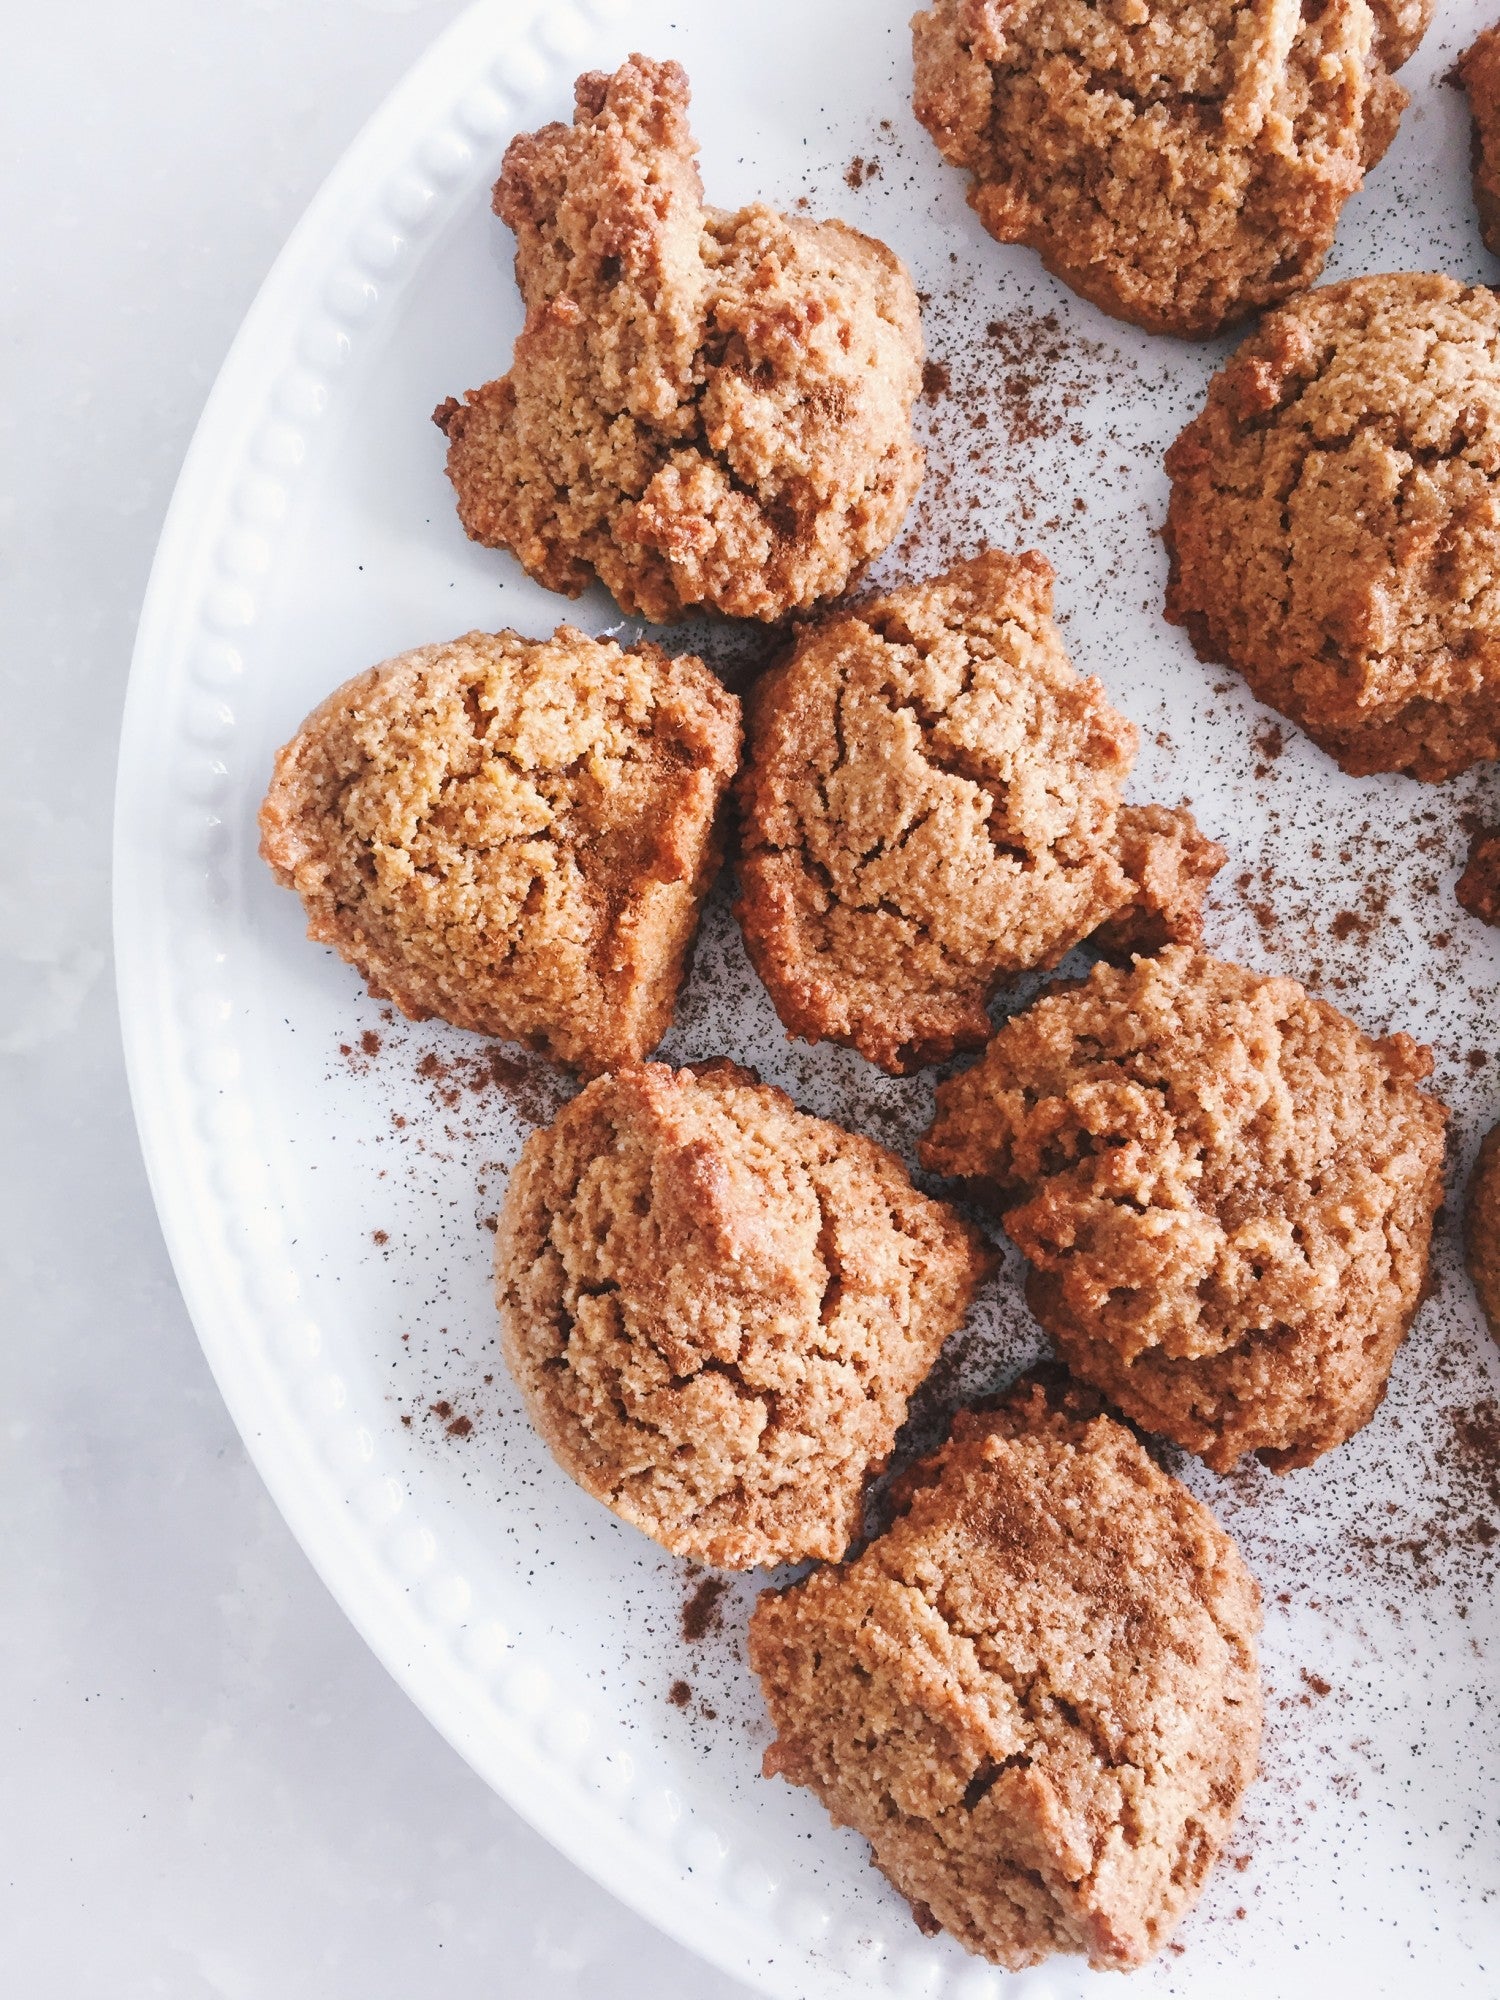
213 1790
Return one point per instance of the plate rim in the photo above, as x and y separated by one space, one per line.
508 1756
497 1725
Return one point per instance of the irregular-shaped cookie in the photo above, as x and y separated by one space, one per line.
931 804
716 1308
514 834
705 407
1179 162
1332 527
1036 1696
1225 1193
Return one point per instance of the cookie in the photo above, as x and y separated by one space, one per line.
1479 886
1482 1229
1179 166
1224 1191
716 1308
1478 70
931 804
705 407
1037 1695
513 834
1332 527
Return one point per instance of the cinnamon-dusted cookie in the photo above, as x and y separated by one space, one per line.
514 834
705 407
1332 526
1478 887
1482 1228
1179 162
1478 70
1037 1695
1225 1193
716 1308
931 804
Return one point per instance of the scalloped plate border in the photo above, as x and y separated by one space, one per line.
175 948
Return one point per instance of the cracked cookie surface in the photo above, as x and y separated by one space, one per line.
1482 1228
705 407
931 803
513 834
1333 527
716 1308
1224 1192
1179 165
1478 70
1037 1695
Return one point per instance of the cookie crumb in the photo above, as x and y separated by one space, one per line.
1048 1601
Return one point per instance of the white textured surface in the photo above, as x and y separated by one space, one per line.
487 1582
213 1791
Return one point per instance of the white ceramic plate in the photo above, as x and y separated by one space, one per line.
324 1173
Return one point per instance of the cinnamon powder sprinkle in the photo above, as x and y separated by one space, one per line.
700 1614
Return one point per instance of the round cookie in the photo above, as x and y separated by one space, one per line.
705 407
1332 527
716 1308
514 834
1037 1695
1224 1191
931 803
1179 162
1482 1228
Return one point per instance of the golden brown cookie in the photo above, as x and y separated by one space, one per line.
1482 1228
514 834
716 1308
705 407
1478 70
1332 526
1037 1696
1225 1193
1179 164
1479 885
931 803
